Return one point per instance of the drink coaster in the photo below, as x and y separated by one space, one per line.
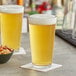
42 69
20 51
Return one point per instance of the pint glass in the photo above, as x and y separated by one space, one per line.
42 33
74 21
11 25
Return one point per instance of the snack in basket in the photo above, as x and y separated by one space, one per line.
5 50
5 54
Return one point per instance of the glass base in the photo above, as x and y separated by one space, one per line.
20 51
73 37
67 31
37 66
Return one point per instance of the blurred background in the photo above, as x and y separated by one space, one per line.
55 7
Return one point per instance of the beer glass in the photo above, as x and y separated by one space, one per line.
67 20
74 29
11 25
42 33
74 21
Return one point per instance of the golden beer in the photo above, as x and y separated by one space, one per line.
42 31
11 25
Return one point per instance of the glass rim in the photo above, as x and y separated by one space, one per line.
42 19
11 9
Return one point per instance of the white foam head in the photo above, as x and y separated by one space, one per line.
42 19
11 9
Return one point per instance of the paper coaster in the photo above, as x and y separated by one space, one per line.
21 51
45 69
